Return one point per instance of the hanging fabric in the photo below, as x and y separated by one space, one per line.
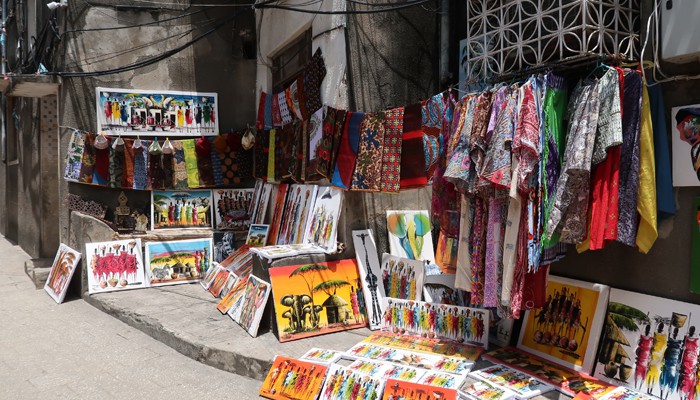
367 174
188 147
88 159
347 152
391 151
413 170
646 204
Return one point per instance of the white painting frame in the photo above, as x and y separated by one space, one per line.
685 145
370 274
62 270
101 279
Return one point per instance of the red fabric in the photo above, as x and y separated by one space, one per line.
101 165
413 172
347 151
604 198
202 148
128 172
260 122
535 288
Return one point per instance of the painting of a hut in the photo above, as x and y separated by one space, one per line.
180 261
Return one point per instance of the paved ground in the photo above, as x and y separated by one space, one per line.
74 351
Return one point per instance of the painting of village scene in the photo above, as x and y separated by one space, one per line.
115 265
317 298
650 344
133 112
232 208
61 272
179 261
181 209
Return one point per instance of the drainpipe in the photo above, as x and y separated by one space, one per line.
444 42
3 38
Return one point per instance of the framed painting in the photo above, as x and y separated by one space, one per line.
300 203
567 329
474 389
649 344
260 203
317 298
402 278
178 261
321 356
181 209
685 142
113 266
523 385
341 382
225 243
293 379
370 273
433 362
232 209
322 227
257 235
233 294
248 310
409 234
62 270
277 212
396 389
131 112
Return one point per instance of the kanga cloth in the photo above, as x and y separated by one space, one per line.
276 117
321 158
314 72
285 114
391 151
432 112
478 141
493 261
271 156
204 164
179 167
497 160
459 163
100 174
217 172
87 160
260 121
242 159
368 166
314 130
128 175
305 114
646 201
74 156
262 143
413 170
478 250
284 141
116 164
347 152
296 167
141 166
191 163
167 162
155 166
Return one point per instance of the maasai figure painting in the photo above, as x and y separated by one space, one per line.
233 294
261 200
231 208
426 361
425 345
150 112
650 344
257 235
685 128
474 389
178 261
437 321
61 272
316 298
249 309
396 389
322 227
293 379
181 209
322 356
298 208
116 265
402 278
522 384
278 211
409 235
370 274
343 383
567 329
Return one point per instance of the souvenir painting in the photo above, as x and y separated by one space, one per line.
321 356
262 200
178 261
298 208
210 275
152 112
225 244
567 329
181 209
252 305
287 250
501 330
433 362
396 389
257 235
323 223
217 284
233 294
523 385
402 277
409 235
294 379
425 345
316 298
437 321
474 389
441 379
650 344
231 208
685 127
343 383
370 275
624 393
237 259
277 212
116 265
440 288
61 272
386 370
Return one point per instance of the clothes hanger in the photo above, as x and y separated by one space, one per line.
168 147
101 141
137 143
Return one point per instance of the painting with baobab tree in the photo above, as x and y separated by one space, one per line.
178 261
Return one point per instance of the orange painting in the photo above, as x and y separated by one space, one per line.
289 378
317 298
396 389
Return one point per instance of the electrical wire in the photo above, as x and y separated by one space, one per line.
134 26
396 7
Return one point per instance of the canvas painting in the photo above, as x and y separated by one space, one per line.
567 329
440 288
237 259
523 385
370 275
501 330
474 389
316 298
441 379
402 277
225 244
322 227
650 344
61 272
210 275
116 265
396 389
409 234
257 235
181 209
321 356
156 112
293 379
298 208
217 284
231 209
250 307
624 393
425 345
685 142
233 294
260 204
277 212
287 250
386 370
342 382
433 362
178 261
437 321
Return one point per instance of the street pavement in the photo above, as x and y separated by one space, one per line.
74 351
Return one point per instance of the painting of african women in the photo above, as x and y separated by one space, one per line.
650 344
178 261
317 298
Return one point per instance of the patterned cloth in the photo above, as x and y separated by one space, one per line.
284 143
368 166
478 247
293 111
478 141
297 164
646 204
74 156
285 114
155 165
493 262
497 163
314 72
88 159
526 141
167 164
294 94
271 156
204 163
128 175
262 146
317 153
260 121
413 170
347 152
321 158
610 117
305 114
391 151
191 163
459 163
141 166
179 167
217 172
276 117
341 117
432 113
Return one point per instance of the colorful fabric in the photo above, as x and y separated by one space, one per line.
413 169
74 156
128 175
260 121
285 114
347 152
493 261
271 156
459 164
167 165
100 174
179 167
141 166
316 156
241 169
478 141
204 162
188 147
268 112
391 151
262 146
322 156
296 166
88 159
217 172
341 117
155 165
610 119
478 247
497 160
646 200
305 114
293 96
314 72
368 166
526 140
276 117
432 113
463 271
284 156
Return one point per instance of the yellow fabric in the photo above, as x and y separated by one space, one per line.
646 202
191 163
271 158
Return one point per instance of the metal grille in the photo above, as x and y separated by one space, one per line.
506 36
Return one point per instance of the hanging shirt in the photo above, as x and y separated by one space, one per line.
646 204
609 116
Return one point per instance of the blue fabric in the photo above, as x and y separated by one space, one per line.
216 164
347 155
141 166
665 202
